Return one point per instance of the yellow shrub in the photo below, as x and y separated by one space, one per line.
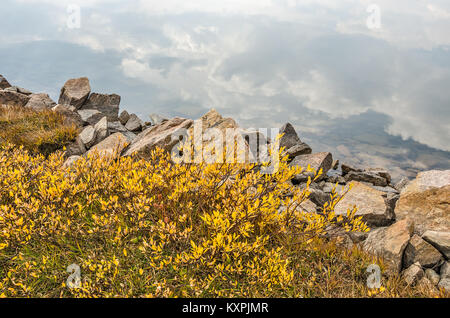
153 228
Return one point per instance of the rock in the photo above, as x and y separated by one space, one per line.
130 136
158 136
375 207
124 117
111 146
419 251
365 176
399 186
381 172
413 274
70 161
387 189
390 243
87 136
134 123
116 126
317 161
11 98
76 148
107 104
432 276
328 187
213 119
335 165
157 119
75 92
289 138
299 149
101 130
18 89
336 179
319 197
440 240
4 83
428 180
346 169
445 277
40 101
427 201
90 116
71 117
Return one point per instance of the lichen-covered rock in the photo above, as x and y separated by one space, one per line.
134 123
11 98
75 92
4 83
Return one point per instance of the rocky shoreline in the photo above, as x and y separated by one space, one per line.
409 220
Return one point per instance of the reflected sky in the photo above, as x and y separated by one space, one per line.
373 96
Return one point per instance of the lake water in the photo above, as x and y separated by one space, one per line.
368 83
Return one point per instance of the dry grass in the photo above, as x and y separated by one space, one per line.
37 131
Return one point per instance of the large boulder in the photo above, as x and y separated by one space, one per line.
101 130
419 251
40 101
4 83
107 104
75 92
317 161
426 200
12 98
440 240
158 136
390 243
375 207
111 146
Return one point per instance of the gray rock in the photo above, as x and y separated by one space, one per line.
101 130
124 117
87 136
4 83
90 116
134 123
40 101
399 186
116 126
157 119
419 251
299 149
18 89
290 137
107 104
130 136
432 276
328 187
445 277
336 179
76 148
440 240
381 172
445 270
413 274
317 161
387 189
346 169
12 98
365 176
390 243
75 92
